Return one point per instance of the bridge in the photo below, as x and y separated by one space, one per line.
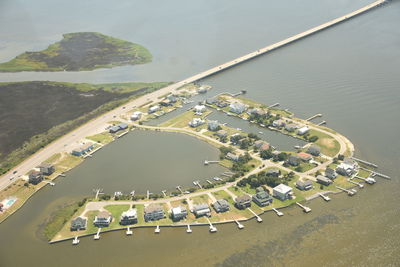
63 144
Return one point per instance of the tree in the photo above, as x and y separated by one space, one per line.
266 154
282 156
313 138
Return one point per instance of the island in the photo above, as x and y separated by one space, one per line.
78 52
260 178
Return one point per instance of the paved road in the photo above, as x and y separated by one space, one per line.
62 144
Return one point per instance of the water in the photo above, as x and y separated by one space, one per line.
348 73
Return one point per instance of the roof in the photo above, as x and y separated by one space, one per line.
45 165
130 213
103 214
324 179
153 208
79 220
264 147
304 182
243 198
282 188
304 155
221 202
123 125
201 206
262 195
178 210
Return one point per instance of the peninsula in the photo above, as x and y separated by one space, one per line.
78 52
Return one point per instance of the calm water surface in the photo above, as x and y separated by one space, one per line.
348 73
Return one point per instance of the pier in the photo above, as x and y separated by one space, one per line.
164 193
357 184
213 229
157 230
240 226
98 192
188 230
279 213
197 183
50 183
207 162
274 105
349 192
129 231
305 209
124 133
255 215
97 236
75 241
326 198
179 188
314 117
381 175
368 180
208 181
321 123
365 162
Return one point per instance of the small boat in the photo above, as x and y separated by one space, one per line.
297 147
260 132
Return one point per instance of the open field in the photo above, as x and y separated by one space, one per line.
80 51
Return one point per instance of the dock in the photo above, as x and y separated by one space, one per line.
188 230
197 183
279 213
305 209
381 175
365 162
368 180
207 162
349 192
164 193
356 183
321 123
179 188
208 181
124 133
50 183
274 105
314 117
326 198
240 226
98 192
75 241
255 215
97 236
157 230
213 229
129 231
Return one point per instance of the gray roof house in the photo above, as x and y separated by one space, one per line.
221 205
213 126
46 168
304 184
314 150
237 108
232 156
153 212
78 223
211 101
330 173
129 217
178 213
273 172
243 201
35 177
294 160
262 198
103 219
291 127
201 210
323 180
221 133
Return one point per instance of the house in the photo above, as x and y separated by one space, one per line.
221 205
129 217
153 109
278 123
304 156
113 129
347 168
282 192
103 219
202 209
178 213
211 101
273 172
83 149
330 173
291 127
314 150
195 122
262 198
165 103
243 201
79 223
232 156
258 143
257 112
222 104
304 184
199 109
46 169
323 180
303 130
136 115
237 108
35 177
202 90
119 127
264 147
213 126
294 160
153 212
221 133
172 98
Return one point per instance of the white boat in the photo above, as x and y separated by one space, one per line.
260 132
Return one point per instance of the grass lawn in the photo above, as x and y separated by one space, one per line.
116 211
200 199
102 138
183 119
329 145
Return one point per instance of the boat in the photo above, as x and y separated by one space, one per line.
297 147
260 132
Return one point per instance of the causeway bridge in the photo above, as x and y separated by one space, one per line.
63 144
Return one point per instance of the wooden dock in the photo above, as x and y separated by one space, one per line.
304 208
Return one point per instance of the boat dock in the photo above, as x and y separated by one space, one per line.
365 162
368 180
98 192
129 231
50 183
240 226
381 175
188 230
97 236
207 162
321 123
157 230
279 213
122 134
179 188
164 193
349 192
208 181
305 209
274 105
356 183
197 183
213 229
255 215
314 117
75 241
326 198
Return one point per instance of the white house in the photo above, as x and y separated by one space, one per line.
153 109
237 108
199 109
303 130
282 192
129 217
196 122
136 115
278 123
213 125
347 168
178 213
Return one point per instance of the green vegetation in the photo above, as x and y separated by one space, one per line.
329 145
102 138
80 51
116 212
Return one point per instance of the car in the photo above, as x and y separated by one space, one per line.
14 172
